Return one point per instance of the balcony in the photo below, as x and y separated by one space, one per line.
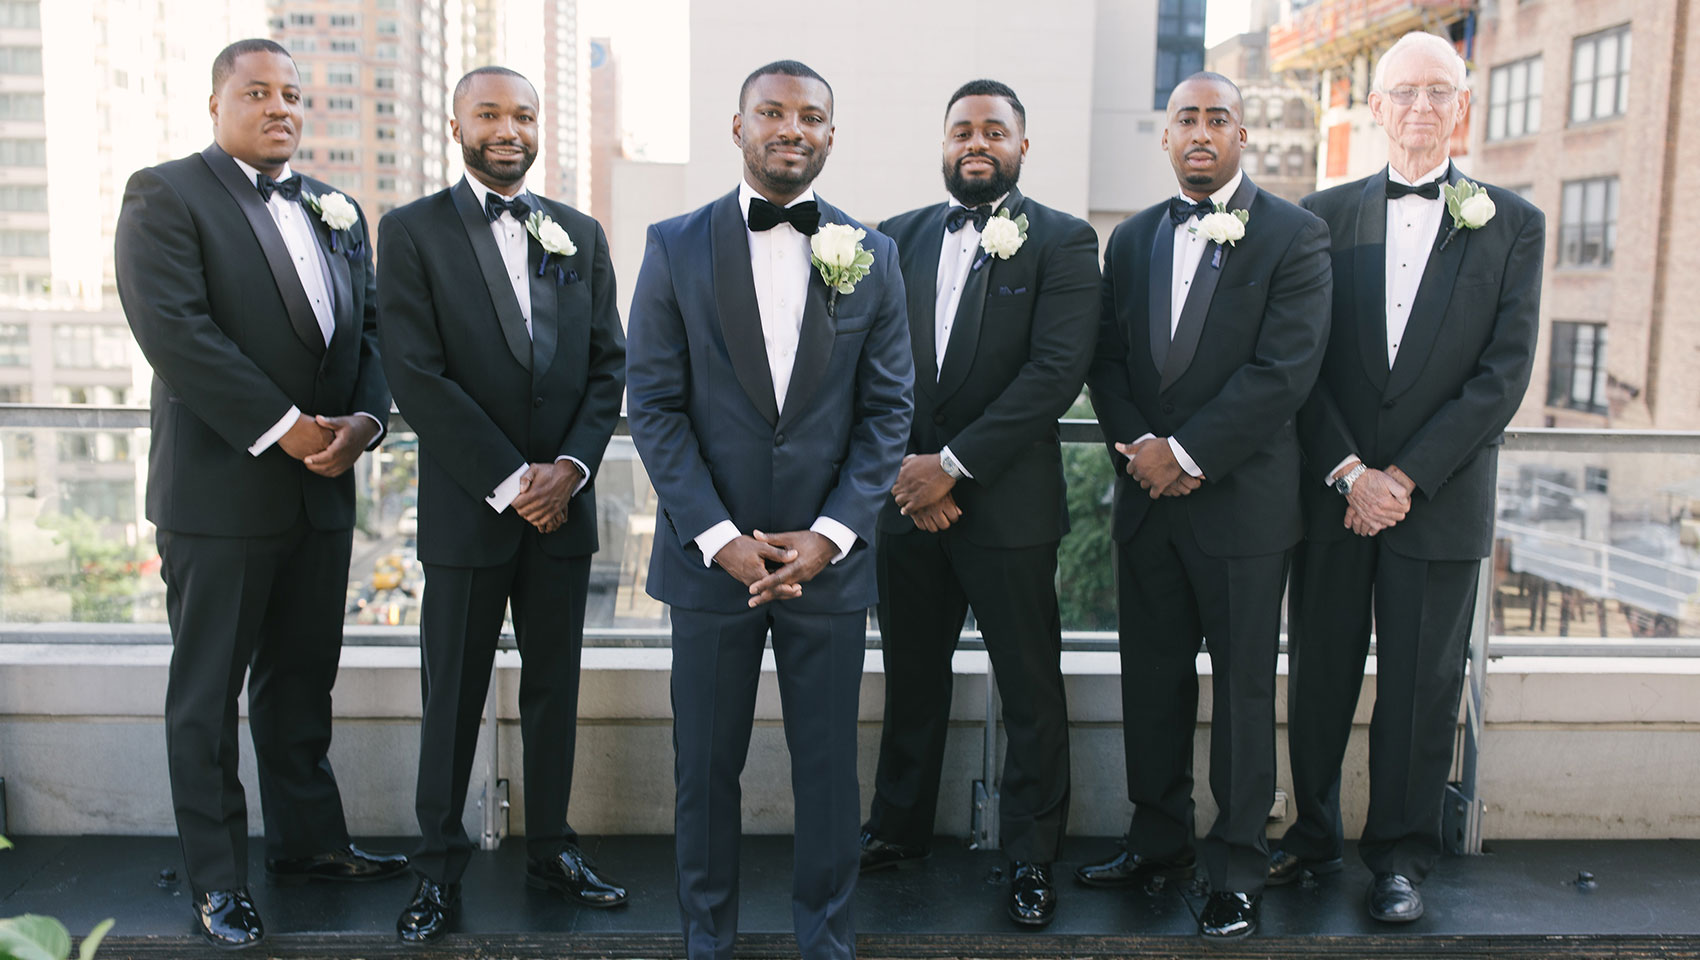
1332 32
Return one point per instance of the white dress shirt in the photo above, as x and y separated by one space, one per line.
780 264
957 253
510 237
291 219
1412 224
1189 250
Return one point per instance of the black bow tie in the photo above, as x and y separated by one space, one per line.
1428 191
290 187
1181 209
805 216
496 205
958 216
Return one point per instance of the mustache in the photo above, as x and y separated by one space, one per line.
1202 150
978 156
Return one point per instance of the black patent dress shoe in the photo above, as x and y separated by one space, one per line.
348 865
227 919
428 915
880 855
1127 869
1229 916
572 875
1032 895
1394 899
1285 868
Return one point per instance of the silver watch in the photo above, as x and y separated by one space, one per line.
1344 485
947 463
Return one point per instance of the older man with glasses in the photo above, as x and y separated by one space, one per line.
1436 306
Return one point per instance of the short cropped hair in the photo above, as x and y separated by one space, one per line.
1418 39
783 68
225 63
989 88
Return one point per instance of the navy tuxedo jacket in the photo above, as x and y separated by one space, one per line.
1228 384
483 396
703 416
1439 414
219 311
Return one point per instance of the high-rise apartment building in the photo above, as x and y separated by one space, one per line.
542 39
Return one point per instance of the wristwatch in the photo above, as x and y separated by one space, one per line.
947 463
1344 485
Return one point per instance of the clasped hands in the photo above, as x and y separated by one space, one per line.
776 565
1379 499
328 446
1152 462
923 493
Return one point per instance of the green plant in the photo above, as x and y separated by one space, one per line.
1086 584
30 937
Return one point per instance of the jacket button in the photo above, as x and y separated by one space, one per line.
538 402
1387 404
1168 408
779 439
938 418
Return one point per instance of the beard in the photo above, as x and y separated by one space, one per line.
778 177
494 173
972 193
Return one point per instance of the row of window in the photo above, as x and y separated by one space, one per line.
382 51
20 15
337 21
348 75
21 61
385 158
1599 85
21 106
76 346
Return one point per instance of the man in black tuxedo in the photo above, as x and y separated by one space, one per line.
1433 338
771 412
257 314
1209 343
1001 338
504 347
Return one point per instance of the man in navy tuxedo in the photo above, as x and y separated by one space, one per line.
771 412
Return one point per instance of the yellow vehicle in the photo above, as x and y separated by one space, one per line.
387 572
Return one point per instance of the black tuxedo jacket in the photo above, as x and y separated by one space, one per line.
1440 412
1016 361
483 396
1242 360
219 311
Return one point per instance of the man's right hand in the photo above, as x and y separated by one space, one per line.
746 559
938 516
1378 501
304 438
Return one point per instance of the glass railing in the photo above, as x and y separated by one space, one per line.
1598 546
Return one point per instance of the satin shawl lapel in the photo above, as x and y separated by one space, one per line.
295 302
1159 292
545 304
1201 292
1369 278
495 273
334 268
924 295
1428 310
970 311
735 303
814 340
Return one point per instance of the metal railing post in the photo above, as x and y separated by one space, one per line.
493 802
1474 692
985 813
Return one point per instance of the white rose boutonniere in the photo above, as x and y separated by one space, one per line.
837 252
1470 206
1223 228
555 241
338 213
1002 237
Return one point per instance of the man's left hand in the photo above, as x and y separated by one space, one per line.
814 552
1153 464
349 437
921 482
543 494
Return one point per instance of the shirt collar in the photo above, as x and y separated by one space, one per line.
253 174
746 192
1428 177
951 201
480 190
1227 192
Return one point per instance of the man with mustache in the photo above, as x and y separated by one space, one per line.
504 346
1215 315
771 412
1002 339
258 315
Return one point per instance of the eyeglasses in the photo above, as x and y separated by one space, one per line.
1439 95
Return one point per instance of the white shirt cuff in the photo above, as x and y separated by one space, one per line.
381 429
958 460
1184 460
1327 478
276 432
583 472
838 533
507 490
711 541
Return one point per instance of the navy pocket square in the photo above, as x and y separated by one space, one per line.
1007 292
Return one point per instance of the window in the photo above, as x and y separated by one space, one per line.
344 21
97 445
386 108
1180 45
342 156
20 15
20 106
14 345
23 61
386 184
388 51
301 20
1596 479
342 74
305 70
1587 233
383 79
345 182
23 198
386 133
87 346
345 46
15 393
1514 99
1296 161
341 129
23 243
1578 368
98 395
339 103
1272 162
388 28
386 159
305 153
302 45
1599 75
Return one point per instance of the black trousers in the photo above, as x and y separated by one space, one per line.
1421 611
927 583
1172 595
716 668
270 608
460 622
